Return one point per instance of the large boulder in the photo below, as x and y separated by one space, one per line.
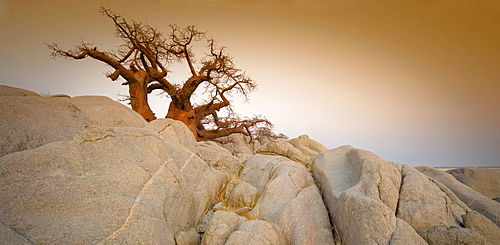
221 226
175 131
239 145
361 192
483 180
482 225
11 91
375 201
219 158
240 194
473 199
106 185
301 149
289 198
101 110
28 121
257 232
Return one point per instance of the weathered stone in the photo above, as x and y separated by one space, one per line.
174 131
100 110
257 232
404 234
309 147
188 237
219 158
9 236
361 191
289 198
443 235
11 91
241 194
424 204
482 225
221 226
483 180
109 185
301 149
472 198
204 222
239 144
282 147
32 121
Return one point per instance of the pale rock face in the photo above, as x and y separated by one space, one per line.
239 144
257 232
374 201
174 131
424 204
288 198
241 194
32 121
101 110
221 226
11 91
483 180
301 149
188 237
219 158
309 147
445 235
482 225
9 236
361 192
28 122
107 185
473 199
282 147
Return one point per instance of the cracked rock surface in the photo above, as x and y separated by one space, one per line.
88 170
374 201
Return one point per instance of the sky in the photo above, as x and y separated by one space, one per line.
414 81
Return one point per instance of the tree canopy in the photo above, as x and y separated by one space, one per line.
143 60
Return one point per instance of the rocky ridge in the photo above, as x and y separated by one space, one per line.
88 170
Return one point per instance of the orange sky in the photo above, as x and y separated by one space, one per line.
416 82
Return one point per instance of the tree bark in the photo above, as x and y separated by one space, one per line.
216 133
179 110
139 96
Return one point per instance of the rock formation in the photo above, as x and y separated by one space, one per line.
483 180
88 170
374 201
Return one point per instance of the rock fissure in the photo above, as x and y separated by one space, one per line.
137 201
399 192
119 187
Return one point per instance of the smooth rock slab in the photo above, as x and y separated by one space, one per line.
361 191
473 199
257 232
106 185
288 198
483 180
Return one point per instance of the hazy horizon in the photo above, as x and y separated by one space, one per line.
414 82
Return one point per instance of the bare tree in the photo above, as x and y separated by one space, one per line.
144 59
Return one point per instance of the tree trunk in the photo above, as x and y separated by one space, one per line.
184 112
139 96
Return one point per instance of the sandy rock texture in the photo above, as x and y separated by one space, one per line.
483 180
106 185
289 198
89 170
474 199
29 120
374 201
301 149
